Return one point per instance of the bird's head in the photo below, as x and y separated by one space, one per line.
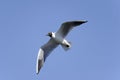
50 34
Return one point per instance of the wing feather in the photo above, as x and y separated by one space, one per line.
67 26
43 53
49 47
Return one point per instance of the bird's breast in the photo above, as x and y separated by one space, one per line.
58 39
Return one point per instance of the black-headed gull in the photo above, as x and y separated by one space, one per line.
56 38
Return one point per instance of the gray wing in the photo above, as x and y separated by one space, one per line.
67 26
49 47
44 51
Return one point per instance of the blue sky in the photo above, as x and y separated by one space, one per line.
95 53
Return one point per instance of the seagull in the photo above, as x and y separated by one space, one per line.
56 38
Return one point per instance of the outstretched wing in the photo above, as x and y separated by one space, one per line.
49 47
67 26
44 51
40 60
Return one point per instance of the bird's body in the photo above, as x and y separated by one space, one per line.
57 38
60 40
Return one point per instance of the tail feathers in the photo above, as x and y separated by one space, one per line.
66 47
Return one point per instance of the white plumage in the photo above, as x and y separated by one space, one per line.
56 39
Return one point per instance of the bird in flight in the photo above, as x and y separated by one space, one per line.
56 38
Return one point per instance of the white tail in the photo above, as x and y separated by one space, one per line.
66 47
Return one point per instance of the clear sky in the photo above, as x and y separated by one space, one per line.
95 52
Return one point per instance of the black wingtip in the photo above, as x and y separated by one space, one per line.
76 23
83 21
